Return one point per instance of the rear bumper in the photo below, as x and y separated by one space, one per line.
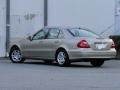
92 54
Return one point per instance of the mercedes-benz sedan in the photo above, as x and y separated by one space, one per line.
63 45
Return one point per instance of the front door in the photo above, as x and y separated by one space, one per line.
34 48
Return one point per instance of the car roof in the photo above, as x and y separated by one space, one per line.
63 27
70 27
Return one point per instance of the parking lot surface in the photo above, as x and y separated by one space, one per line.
35 75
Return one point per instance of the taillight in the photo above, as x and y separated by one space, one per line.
113 45
83 44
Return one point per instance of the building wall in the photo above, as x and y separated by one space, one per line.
117 17
2 27
27 16
97 15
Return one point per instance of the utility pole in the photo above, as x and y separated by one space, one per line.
45 12
7 25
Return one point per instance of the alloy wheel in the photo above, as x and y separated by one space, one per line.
62 58
16 56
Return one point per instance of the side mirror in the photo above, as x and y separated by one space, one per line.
29 38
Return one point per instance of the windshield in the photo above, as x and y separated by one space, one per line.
81 33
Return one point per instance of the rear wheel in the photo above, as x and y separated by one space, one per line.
62 58
16 56
97 63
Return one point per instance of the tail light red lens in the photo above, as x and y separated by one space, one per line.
83 44
113 45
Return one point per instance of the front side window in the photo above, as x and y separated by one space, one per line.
53 34
40 34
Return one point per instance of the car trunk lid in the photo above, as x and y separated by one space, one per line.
100 44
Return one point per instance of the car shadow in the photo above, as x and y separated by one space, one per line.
73 65
40 63
80 66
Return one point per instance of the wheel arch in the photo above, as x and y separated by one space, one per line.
19 59
12 47
61 48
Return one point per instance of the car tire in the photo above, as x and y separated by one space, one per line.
16 55
62 58
97 63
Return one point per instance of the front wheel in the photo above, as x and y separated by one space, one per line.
62 58
97 63
16 56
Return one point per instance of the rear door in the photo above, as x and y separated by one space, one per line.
51 43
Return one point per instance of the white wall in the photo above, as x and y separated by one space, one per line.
97 15
2 27
27 16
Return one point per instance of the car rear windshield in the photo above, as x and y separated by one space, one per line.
81 33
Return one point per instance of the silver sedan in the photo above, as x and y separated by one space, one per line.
64 45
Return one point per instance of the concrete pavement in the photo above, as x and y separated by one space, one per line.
35 75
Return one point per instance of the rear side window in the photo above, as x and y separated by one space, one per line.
53 33
81 33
